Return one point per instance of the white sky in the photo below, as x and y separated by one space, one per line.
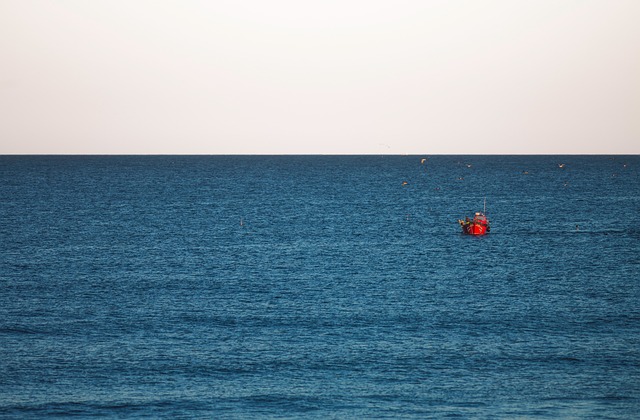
331 76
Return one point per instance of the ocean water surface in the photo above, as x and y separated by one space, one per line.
319 287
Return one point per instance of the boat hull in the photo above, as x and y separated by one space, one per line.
474 229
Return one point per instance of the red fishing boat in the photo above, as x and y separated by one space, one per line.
479 225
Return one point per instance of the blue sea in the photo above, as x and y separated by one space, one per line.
319 287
